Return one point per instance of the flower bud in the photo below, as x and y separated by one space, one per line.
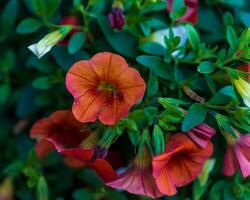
158 139
243 88
116 16
50 40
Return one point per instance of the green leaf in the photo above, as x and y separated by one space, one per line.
206 67
123 42
42 83
195 116
152 86
76 42
179 9
156 64
193 37
198 190
39 7
228 19
14 168
52 6
9 15
77 3
81 194
153 48
232 38
133 131
28 25
4 92
42 189
244 44
207 169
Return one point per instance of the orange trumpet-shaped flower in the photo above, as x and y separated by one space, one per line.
60 122
181 163
104 88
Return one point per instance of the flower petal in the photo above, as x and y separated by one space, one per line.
81 78
41 128
115 110
108 66
88 106
165 183
137 181
43 148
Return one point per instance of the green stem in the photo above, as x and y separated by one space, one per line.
216 107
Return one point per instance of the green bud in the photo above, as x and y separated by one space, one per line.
158 140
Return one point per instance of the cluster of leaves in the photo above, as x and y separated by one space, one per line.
32 88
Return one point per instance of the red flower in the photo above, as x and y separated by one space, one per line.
83 153
180 164
191 14
60 122
104 87
237 156
138 178
201 134
69 20
246 68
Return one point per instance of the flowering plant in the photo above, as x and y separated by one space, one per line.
125 99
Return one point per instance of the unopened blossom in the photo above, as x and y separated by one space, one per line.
47 42
181 163
243 88
138 178
104 88
116 16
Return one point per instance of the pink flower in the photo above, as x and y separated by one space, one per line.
237 156
201 134
138 178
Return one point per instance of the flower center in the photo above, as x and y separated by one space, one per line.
105 86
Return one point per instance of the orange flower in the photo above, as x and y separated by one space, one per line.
62 122
104 88
180 164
